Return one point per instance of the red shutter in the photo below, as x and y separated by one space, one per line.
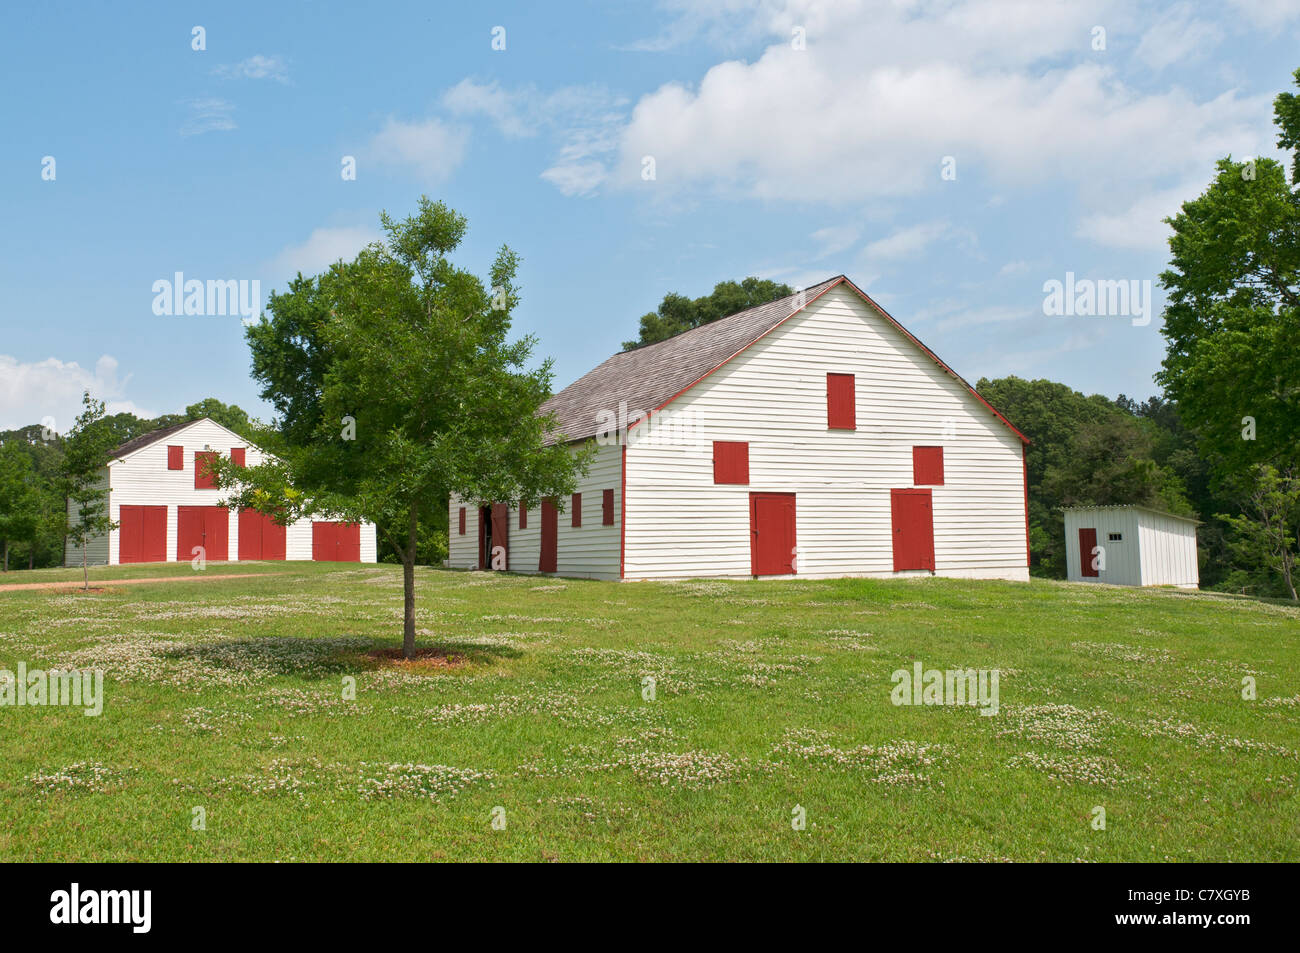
202 479
237 455
730 461
462 521
523 515
841 403
607 508
576 509
927 466
175 458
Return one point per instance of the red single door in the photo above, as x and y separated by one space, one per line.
324 541
260 537
348 546
206 526
153 539
772 534
550 538
130 542
911 515
273 534
500 535
1087 543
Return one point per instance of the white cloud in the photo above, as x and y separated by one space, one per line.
209 115
834 238
257 66
31 392
1269 14
911 241
432 149
1176 36
1139 226
322 248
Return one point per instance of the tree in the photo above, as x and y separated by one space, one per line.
1233 318
19 498
86 450
1266 533
395 385
678 313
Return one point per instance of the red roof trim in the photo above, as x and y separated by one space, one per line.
883 313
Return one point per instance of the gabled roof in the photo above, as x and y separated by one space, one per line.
650 377
136 444
1130 506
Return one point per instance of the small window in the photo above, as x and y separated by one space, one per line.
523 515
462 521
237 455
607 508
203 479
175 458
1116 537
927 466
841 402
730 461
575 507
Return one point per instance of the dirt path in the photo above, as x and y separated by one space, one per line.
98 583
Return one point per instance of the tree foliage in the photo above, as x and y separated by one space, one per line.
678 313
84 477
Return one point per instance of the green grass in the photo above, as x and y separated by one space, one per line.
228 695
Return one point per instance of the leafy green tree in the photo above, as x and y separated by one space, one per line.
1233 318
19 498
1266 533
678 313
395 385
85 483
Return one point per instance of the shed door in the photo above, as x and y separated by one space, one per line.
550 539
911 515
324 541
772 534
206 526
1087 543
500 534
143 534
260 537
336 542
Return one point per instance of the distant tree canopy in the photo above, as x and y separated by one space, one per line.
678 313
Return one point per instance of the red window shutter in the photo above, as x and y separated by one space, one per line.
927 466
237 455
523 515
462 521
203 480
607 508
841 403
730 461
175 458
576 508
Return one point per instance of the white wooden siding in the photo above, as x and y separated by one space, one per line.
97 547
773 395
589 551
1157 549
142 478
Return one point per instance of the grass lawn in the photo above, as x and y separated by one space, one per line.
229 695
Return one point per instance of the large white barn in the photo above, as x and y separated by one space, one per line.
1130 546
811 436
165 505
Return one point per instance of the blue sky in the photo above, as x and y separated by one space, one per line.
794 140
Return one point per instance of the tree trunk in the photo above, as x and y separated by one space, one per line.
85 571
408 586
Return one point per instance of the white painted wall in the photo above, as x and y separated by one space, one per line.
1169 552
1156 549
142 478
679 524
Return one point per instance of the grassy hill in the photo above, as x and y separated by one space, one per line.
230 696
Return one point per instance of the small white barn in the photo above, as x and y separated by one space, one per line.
165 505
1130 546
812 436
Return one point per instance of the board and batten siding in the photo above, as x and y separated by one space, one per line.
142 478
97 547
1157 549
588 551
773 395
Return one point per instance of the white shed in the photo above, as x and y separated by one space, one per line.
812 436
1130 546
166 508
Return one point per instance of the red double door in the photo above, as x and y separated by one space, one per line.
772 534
260 537
336 542
911 514
142 535
202 526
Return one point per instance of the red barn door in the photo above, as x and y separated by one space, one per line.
912 517
206 526
1087 543
142 537
336 542
772 534
550 538
259 536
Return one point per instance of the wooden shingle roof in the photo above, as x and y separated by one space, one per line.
153 436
